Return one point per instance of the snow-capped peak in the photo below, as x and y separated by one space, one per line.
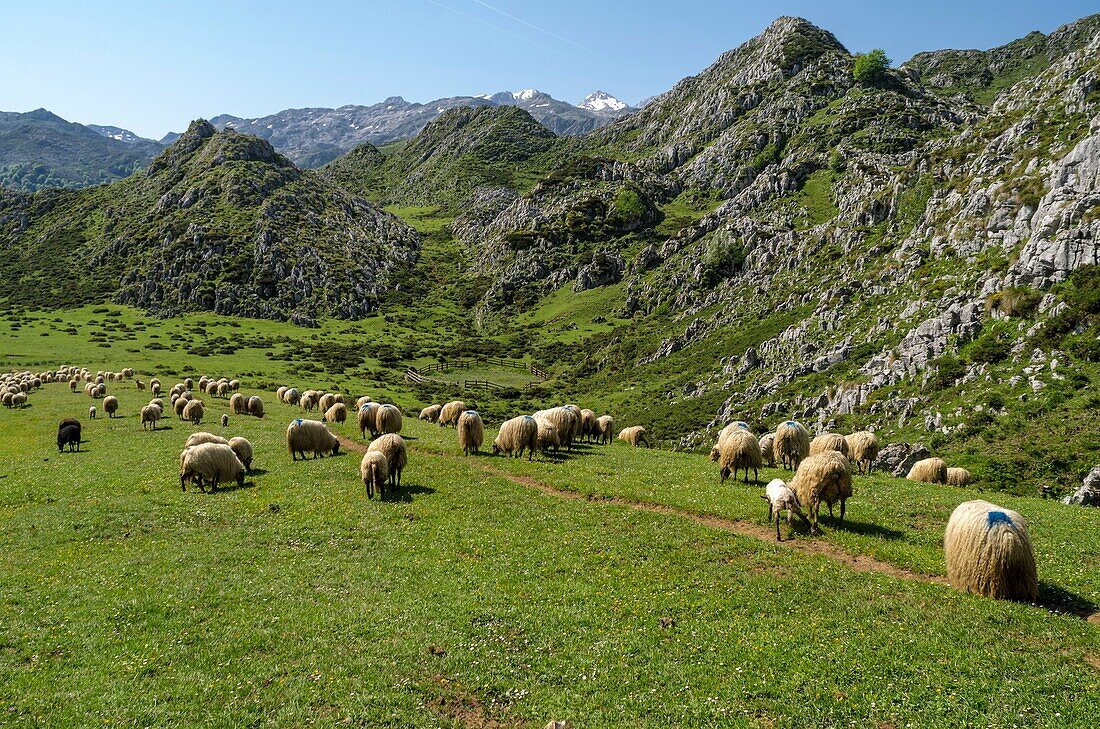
600 101
525 95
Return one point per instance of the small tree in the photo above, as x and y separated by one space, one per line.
870 67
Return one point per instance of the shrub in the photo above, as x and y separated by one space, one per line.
870 67
990 349
948 369
1016 301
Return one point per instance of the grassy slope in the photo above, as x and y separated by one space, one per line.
295 601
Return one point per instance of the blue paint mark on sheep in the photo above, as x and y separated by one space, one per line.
994 518
298 421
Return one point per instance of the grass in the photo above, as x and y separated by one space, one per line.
471 598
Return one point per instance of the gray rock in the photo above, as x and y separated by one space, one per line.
1089 493
898 458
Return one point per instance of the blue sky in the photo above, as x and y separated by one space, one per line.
153 66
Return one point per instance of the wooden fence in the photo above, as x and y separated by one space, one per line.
417 374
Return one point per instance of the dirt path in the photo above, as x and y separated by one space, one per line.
858 563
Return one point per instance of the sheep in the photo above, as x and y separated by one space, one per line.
387 419
792 444
188 383
605 427
988 552
738 450
179 406
237 404
234 385
193 411
325 402
780 498
255 407
362 401
450 412
158 402
243 448
91 412
339 398
225 420
824 477
737 426
140 385
209 464
68 434
101 390
203 382
19 399
828 442
310 436
929 470
203 437
548 436
862 449
392 446
588 424
767 448
292 396
367 418
72 385
150 414
307 403
110 405
154 387
338 413
566 420
635 435
471 432
515 435
375 471
959 476
431 413
281 393
223 389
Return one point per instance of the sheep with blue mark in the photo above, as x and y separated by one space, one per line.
988 552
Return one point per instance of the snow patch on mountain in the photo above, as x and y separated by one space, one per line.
602 101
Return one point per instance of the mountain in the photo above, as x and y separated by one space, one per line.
39 149
599 102
217 222
118 134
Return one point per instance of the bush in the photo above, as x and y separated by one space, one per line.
948 369
870 67
990 349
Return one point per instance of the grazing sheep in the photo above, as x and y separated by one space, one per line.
188 383
792 444
158 402
19 399
223 389
515 435
862 449
738 450
68 434
566 421
548 437
91 412
237 404
588 424
430 413
150 414
471 432
140 385
450 412
154 387
110 406
325 402
362 401
281 393
929 470
392 446
210 464
72 385
828 442
292 396
310 436
307 403
635 435
225 420
234 385
780 498
243 448
101 390
375 471
255 407
767 448
339 398
338 413
179 406
193 411
824 477
203 437
387 419
959 476
988 552
605 427
368 417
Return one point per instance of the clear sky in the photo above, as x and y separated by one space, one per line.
153 65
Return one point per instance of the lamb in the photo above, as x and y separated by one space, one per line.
91 412
959 477
203 437
375 471
588 424
193 411
605 426
824 477
430 413
110 405
988 552
792 444
635 435
450 413
471 432
516 435
738 450
310 436
387 419
243 448
325 402
338 413
862 449
68 434
767 448
828 442
140 385
929 470
150 414
548 436
225 420
367 417
210 464
392 446
780 498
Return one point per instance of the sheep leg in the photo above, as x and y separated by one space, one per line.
842 505
777 537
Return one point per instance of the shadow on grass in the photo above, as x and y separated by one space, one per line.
1060 600
868 529
405 493
258 472
225 488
